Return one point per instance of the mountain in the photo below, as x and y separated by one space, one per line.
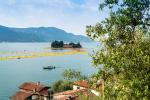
39 34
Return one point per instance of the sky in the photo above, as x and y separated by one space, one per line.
69 15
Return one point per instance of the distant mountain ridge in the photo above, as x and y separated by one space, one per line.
38 34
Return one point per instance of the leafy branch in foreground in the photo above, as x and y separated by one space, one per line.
125 55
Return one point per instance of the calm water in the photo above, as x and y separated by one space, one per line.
15 72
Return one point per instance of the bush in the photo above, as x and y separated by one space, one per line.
62 85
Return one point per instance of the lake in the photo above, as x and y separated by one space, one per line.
14 72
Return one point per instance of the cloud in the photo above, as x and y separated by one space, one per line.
70 15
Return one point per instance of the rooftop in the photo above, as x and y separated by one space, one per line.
81 83
20 95
73 94
30 86
28 89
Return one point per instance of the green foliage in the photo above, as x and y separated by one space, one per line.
72 74
62 85
57 44
50 93
126 53
78 45
83 97
60 44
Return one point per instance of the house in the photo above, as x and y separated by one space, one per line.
84 85
31 91
80 85
79 88
66 95
70 94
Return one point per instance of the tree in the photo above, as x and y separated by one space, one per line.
61 44
74 45
78 45
62 85
57 44
125 54
71 74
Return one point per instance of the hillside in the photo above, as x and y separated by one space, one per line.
39 34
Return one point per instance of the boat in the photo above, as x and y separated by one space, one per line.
18 58
49 67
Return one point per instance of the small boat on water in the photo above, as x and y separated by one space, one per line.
49 67
18 58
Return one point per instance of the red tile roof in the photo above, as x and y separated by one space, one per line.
30 86
20 95
69 92
82 83
44 92
66 94
29 89
74 94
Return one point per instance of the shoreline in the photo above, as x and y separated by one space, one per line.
41 54
74 49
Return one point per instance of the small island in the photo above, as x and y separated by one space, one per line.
61 44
